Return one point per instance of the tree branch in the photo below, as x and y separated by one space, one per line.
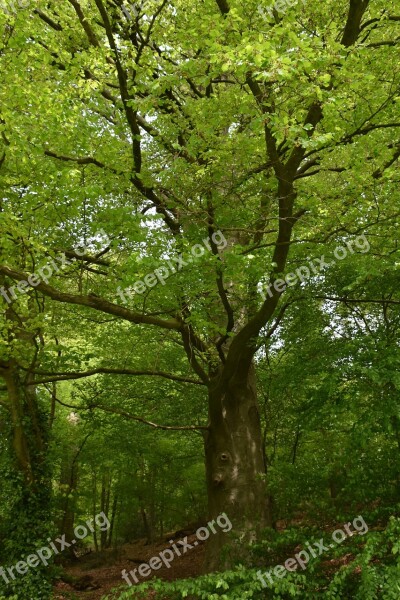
47 19
85 23
187 338
110 371
95 260
358 301
86 160
223 6
95 303
352 28
379 172
131 417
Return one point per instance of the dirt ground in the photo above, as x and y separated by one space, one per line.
102 572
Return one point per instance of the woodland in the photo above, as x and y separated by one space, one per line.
199 299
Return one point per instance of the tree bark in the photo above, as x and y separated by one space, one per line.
19 438
105 504
235 466
112 519
94 507
68 485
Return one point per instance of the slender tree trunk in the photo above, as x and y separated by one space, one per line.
68 483
112 519
296 445
146 524
235 466
94 508
105 504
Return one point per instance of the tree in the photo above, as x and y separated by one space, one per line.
195 124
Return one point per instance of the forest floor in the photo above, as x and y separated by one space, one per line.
95 575
100 572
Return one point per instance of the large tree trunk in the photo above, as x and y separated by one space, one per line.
235 466
29 427
27 522
19 438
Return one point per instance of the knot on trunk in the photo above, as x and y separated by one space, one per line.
224 457
218 479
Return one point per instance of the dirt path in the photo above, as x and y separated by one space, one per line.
103 571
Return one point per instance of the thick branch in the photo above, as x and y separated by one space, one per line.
352 29
95 302
270 141
123 85
48 20
85 24
109 371
223 6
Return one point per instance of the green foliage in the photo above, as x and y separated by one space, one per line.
23 531
369 568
